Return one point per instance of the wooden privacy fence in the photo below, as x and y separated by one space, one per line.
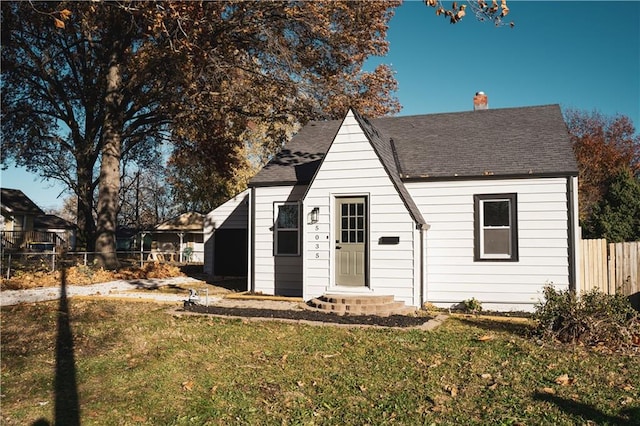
611 268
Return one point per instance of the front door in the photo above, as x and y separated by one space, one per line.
351 240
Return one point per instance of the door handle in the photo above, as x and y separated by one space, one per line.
338 247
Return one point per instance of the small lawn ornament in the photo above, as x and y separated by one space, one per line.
193 299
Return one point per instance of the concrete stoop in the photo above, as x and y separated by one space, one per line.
340 304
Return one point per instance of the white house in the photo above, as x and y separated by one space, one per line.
434 208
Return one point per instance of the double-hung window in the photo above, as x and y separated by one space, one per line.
286 229
495 227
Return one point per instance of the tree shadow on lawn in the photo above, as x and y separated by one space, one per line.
514 326
628 416
67 404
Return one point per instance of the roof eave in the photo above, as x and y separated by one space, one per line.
425 178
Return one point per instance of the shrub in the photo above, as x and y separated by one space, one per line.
595 318
472 305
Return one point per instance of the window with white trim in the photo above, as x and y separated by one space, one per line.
286 229
495 227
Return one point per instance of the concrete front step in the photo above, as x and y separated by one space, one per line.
357 300
359 305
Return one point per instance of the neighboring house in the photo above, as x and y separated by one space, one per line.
65 230
18 211
226 239
25 226
179 239
434 208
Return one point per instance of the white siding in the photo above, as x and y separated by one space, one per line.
352 168
281 275
452 273
233 214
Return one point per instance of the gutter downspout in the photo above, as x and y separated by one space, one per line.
251 284
423 264
574 234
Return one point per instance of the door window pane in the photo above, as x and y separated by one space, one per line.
287 216
288 242
352 223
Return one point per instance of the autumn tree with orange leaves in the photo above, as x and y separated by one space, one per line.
606 147
87 85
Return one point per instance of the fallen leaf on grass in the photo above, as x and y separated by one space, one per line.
485 338
493 386
626 401
330 355
549 391
564 380
188 385
486 376
453 390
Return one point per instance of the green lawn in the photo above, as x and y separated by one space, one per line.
136 363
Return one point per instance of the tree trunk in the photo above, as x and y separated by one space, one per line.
110 168
86 222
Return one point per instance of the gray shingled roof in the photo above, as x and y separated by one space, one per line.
50 221
500 142
15 201
384 150
494 142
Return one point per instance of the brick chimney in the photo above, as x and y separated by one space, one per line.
480 101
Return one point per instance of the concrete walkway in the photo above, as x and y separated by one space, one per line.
121 289
108 289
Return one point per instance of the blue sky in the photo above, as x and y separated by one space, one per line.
578 54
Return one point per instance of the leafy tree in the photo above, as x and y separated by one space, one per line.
604 146
483 10
80 92
88 84
617 216
280 64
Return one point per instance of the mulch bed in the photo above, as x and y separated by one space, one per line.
390 321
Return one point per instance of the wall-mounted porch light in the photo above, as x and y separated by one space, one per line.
314 215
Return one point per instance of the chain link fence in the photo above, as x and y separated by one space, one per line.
50 260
